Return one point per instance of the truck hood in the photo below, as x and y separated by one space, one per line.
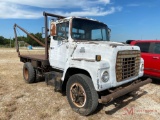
106 49
104 43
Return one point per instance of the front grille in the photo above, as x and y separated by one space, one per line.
127 64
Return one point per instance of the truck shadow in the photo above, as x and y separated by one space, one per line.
119 103
40 79
156 81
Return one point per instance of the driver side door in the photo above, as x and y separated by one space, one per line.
59 46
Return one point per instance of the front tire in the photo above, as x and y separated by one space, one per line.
81 94
29 73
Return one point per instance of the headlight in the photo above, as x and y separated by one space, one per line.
105 76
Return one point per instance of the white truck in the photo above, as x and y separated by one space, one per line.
81 60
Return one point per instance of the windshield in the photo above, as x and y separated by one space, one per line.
83 29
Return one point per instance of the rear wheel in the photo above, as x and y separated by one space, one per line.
29 73
81 94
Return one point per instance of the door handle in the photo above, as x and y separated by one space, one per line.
155 57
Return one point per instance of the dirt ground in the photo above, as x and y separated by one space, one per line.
21 101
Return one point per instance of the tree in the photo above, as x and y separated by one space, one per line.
2 42
5 42
26 39
32 42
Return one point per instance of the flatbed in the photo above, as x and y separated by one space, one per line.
37 60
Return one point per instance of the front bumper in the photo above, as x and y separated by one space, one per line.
123 91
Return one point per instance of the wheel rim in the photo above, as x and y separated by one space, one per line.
78 95
26 73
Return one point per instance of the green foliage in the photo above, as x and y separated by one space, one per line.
2 40
32 42
6 42
28 40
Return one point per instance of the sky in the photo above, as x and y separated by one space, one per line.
127 19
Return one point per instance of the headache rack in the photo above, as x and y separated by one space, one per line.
46 41
127 64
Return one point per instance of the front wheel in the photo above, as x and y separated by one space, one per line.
81 94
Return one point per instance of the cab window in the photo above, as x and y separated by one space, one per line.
144 46
156 48
62 31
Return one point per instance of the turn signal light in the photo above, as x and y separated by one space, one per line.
98 57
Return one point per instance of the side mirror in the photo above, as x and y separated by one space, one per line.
109 33
109 30
53 29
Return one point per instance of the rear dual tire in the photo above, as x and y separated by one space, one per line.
29 73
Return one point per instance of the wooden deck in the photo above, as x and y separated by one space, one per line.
34 57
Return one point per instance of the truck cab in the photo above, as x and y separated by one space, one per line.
71 32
